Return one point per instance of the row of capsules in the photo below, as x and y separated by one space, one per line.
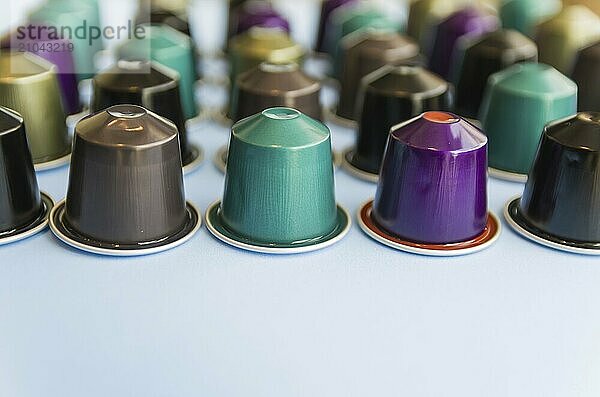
460 222
509 76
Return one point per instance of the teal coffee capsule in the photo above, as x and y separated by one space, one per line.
279 188
518 103
173 49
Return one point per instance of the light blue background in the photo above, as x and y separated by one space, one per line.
357 319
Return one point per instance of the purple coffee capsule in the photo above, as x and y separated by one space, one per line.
470 22
56 51
258 13
432 192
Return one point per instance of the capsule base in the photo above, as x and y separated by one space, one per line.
36 226
520 225
194 160
353 170
61 161
507 175
217 228
484 240
66 234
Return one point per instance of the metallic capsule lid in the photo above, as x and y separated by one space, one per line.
281 128
535 79
440 132
580 132
271 45
126 127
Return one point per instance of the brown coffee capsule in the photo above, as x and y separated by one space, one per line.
365 52
276 85
126 194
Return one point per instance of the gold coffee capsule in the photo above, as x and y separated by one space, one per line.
561 37
28 84
176 6
258 45
593 5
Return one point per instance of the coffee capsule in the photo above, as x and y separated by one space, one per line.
258 45
352 18
126 195
24 210
560 207
392 95
593 5
586 75
279 188
276 85
172 49
424 15
258 13
28 84
178 22
524 15
68 17
149 85
432 193
483 57
57 52
156 16
364 52
517 104
560 38
467 23
327 9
